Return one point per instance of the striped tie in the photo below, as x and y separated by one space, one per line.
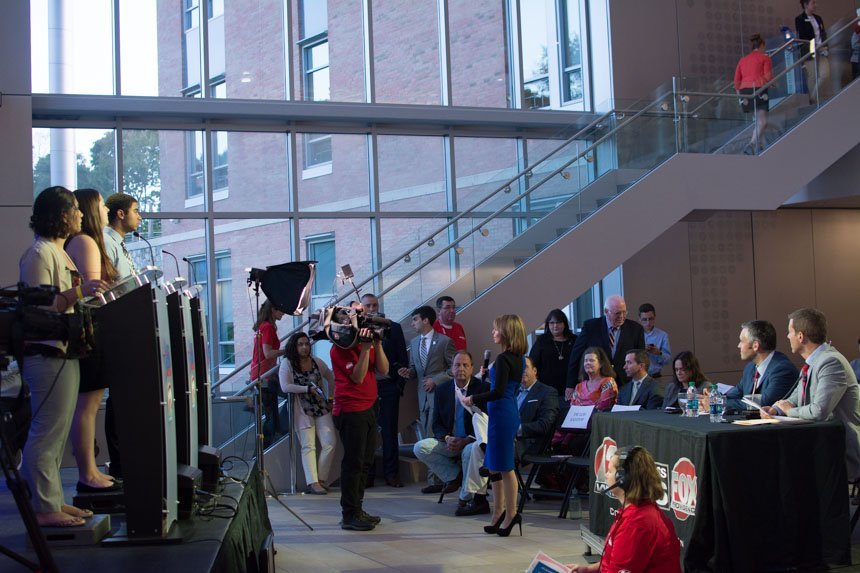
613 332
128 257
804 384
422 352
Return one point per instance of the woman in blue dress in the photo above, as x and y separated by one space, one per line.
501 406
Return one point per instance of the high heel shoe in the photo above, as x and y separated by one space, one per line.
495 527
505 531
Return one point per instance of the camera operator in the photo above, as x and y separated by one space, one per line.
354 413
53 378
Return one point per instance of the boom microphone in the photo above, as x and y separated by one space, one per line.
175 261
151 252
190 268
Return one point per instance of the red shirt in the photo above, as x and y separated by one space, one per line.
641 539
455 333
349 396
268 335
753 71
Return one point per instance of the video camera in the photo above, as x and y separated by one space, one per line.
342 324
21 320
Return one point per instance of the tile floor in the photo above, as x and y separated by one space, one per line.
416 535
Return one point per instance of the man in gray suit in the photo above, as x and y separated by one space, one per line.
430 358
827 387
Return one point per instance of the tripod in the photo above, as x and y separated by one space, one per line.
19 490
258 418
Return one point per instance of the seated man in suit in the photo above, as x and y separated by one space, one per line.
538 405
642 389
769 373
827 387
453 436
614 333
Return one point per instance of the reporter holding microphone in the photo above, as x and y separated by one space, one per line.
52 376
642 538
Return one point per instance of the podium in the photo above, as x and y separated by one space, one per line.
184 377
133 334
203 377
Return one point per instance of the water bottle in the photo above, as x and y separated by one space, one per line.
692 401
718 402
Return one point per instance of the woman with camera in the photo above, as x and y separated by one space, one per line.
642 538
87 250
302 375
52 375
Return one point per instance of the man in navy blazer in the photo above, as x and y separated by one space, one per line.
636 364
769 373
448 451
629 335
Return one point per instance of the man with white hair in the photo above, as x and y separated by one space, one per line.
614 333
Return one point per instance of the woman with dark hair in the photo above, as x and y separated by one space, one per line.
753 71
87 250
687 368
266 352
551 351
52 376
302 375
500 403
642 538
597 388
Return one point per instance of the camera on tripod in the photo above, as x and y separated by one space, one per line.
21 320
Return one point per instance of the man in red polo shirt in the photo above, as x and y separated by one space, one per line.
354 415
446 309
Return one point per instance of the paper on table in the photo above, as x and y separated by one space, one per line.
750 400
622 408
577 417
756 422
723 388
788 420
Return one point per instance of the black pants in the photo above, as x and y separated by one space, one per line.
112 439
389 406
358 435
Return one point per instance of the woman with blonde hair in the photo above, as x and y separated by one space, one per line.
641 538
500 403
87 250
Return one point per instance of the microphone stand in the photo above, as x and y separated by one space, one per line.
258 418
151 251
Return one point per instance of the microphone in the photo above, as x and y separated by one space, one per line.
486 363
151 252
610 488
191 268
175 261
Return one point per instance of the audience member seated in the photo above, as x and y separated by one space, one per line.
597 389
642 390
642 538
769 373
448 451
827 387
686 369
538 408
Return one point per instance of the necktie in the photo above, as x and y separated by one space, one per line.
613 332
804 381
521 397
636 384
755 381
423 351
128 257
459 420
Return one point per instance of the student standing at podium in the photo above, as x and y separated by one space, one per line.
87 251
123 218
53 378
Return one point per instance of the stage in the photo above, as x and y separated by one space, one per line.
228 539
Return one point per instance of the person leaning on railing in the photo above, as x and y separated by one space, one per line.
753 71
302 375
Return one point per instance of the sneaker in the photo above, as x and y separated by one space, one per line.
433 488
477 506
356 524
374 519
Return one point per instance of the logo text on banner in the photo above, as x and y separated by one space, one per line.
684 489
